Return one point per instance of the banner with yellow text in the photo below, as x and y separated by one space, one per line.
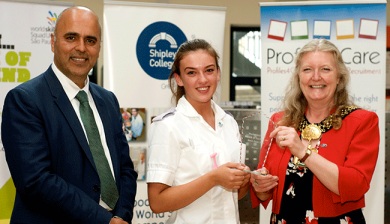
25 52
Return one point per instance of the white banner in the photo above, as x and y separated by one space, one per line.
140 42
25 52
358 29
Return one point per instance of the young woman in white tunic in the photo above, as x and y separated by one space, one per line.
193 167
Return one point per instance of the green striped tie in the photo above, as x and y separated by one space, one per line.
109 191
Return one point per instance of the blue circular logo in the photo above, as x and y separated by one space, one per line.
156 48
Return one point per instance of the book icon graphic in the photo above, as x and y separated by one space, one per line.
322 29
368 28
299 30
345 29
277 30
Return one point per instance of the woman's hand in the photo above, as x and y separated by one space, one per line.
247 176
288 137
164 198
327 172
245 185
262 184
230 175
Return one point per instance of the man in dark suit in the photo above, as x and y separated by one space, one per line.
55 142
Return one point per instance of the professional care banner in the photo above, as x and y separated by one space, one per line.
25 52
358 29
140 42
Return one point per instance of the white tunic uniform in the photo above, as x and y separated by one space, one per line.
180 146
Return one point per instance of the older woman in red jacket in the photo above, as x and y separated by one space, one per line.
322 160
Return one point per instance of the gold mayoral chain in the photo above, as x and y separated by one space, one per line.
314 131
310 132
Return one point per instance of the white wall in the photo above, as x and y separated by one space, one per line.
239 13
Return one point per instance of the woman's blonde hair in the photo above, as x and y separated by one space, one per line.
184 49
295 103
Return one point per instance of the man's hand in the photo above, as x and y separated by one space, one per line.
118 221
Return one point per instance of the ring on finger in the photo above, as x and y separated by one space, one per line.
256 183
283 138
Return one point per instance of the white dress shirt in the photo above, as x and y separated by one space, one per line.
180 146
71 90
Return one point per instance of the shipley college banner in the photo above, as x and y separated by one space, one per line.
358 29
25 52
140 43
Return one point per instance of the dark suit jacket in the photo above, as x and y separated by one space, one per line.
50 160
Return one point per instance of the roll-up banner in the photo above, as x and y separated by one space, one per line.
140 42
25 52
358 29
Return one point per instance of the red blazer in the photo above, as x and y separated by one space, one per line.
354 148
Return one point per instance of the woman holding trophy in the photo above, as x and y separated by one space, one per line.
322 160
